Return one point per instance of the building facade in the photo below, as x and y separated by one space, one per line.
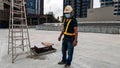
112 3
106 3
117 7
4 13
35 10
35 7
100 20
100 14
80 7
1 4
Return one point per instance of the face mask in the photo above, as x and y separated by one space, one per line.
67 15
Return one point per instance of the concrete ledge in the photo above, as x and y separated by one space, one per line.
109 28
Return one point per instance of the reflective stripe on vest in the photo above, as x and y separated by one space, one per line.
66 33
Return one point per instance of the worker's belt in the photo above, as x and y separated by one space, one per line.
66 33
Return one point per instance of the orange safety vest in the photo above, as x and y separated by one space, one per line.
66 33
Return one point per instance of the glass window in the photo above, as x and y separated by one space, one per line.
78 0
118 13
115 10
115 13
102 0
116 6
115 2
102 4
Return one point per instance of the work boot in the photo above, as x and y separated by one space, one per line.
61 63
67 66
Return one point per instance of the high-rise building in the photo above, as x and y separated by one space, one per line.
35 7
117 7
35 10
106 3
113 3
79 6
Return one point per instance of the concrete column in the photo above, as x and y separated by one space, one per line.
39 6
36 7
91 3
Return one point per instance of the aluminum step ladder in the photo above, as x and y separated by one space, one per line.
18 37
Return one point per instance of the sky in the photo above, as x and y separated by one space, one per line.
55 6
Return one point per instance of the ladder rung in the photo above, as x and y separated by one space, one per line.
18 6
19 18
19 46
19 31
17 12
19 0
15 36
17 25
15 4
20 38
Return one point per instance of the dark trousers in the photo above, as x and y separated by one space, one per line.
67 50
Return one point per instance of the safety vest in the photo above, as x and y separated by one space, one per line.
65 32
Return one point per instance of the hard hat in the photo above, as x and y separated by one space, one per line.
68 9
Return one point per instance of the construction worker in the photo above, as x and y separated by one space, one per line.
70 32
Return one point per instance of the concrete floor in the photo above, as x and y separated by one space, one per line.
94 50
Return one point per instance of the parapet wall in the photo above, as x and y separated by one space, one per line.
108 28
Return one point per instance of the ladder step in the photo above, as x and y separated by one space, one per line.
17 25
17 12
15 36
18 18
19 31
20 39
20 46
17 44
19 5
18 0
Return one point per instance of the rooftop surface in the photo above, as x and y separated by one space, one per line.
94 50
